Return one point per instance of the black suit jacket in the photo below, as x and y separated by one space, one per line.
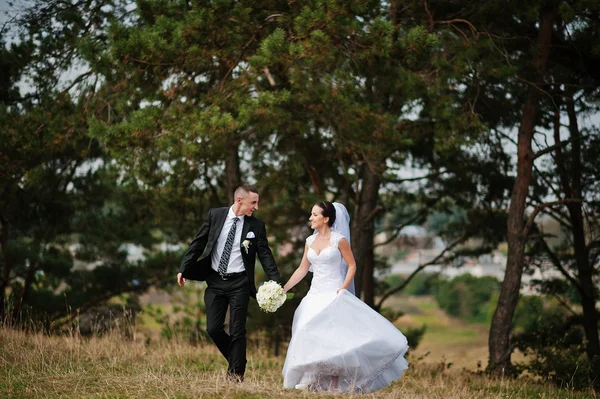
196 263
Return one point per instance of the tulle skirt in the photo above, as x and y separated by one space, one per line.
339 335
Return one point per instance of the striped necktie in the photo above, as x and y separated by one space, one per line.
228 246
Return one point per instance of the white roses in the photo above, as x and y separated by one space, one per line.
270 296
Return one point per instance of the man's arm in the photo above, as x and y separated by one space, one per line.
266 256
197 245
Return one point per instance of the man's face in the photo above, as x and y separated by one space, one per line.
248 204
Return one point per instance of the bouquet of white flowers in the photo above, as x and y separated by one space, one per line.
270 296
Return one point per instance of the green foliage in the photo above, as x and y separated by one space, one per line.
468 297
67 211
390 314
553 342
172 96
414 335
420 285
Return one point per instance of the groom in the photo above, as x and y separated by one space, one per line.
223 254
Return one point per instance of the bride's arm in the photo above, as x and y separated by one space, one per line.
299 273
346 252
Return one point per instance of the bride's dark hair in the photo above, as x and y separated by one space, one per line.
328 211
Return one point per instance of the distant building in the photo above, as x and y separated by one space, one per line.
422 248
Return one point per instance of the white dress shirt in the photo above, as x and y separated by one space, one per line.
236 264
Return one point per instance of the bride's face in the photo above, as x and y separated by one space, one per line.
317 221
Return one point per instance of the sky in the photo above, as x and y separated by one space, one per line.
8 12
5 9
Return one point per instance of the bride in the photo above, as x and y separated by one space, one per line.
338 342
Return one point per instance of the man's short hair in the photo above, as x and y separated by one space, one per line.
243 190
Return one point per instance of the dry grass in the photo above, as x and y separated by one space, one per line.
39 366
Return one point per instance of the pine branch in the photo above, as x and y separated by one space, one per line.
558 264
538 88
555 214
549 184
269 76
77 81
397 229
540 207
419 178
435 260
555 146
374 213
453 22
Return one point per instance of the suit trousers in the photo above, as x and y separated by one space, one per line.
235 293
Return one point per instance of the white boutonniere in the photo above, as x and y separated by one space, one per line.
246 245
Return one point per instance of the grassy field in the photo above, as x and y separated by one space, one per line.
39 366
446 340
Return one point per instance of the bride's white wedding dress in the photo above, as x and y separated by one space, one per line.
339 335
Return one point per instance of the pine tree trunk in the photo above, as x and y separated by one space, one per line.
585 271
363 233
232 171
499 338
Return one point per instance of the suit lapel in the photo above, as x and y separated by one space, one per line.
219 222
247 222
